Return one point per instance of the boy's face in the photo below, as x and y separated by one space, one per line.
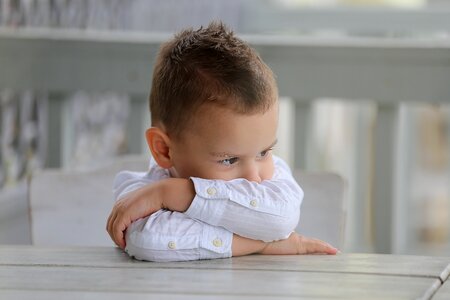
222 144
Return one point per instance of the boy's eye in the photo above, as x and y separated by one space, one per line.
228 161
264 153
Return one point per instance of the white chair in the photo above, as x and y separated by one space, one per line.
14 215
71 208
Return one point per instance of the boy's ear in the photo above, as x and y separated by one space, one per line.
159 144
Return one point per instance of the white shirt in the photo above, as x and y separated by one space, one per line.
266 211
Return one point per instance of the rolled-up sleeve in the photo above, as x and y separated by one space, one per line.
172 236
126 182
166 235
266 211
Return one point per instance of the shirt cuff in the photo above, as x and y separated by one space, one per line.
209 202
216 242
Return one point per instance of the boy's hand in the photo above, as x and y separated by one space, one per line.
175 194
297 244
135 205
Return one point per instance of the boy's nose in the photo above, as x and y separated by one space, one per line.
252 173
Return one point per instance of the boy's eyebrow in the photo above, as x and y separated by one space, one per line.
225 154
271 145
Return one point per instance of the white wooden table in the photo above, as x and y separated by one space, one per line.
444 292
30 272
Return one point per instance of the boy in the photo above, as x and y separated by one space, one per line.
213 188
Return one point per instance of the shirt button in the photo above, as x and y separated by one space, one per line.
253 203
211 191
171 245
217 242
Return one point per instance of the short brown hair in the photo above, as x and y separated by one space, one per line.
208 65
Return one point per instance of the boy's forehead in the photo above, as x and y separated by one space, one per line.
211 110
220 126
213 114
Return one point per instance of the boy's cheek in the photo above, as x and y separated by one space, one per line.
205 172
268 169
211 171
221 175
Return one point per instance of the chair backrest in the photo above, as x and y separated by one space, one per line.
71 207
14 215
323 211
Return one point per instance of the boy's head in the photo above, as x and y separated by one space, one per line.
213 106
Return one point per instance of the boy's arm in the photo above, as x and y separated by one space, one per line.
293 245
266 211
179 226
271 208
172 236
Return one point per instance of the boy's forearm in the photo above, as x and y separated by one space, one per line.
178 194
244 246
294 244
238 204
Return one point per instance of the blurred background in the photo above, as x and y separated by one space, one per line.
364 86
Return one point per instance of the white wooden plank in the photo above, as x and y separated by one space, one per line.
14 215
445 274
404 69
443 293
285 132
400 265
271 17
84 295
215 282
385 139
302 132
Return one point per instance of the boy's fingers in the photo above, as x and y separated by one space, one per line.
108 223
318 246
111 227
117 238
116 233
118 229
111 220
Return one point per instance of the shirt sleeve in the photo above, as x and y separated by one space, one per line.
266 211
166 235
172 236
126 182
